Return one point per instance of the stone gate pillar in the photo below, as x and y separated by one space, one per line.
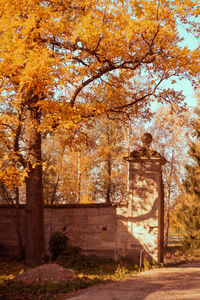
146 202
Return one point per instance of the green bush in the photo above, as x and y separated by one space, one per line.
190 243
128 263
189 218
72 258
146 264
57 244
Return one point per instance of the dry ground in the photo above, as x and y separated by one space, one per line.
176 283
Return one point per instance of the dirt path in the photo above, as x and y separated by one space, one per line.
160 284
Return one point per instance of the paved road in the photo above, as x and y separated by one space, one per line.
160 284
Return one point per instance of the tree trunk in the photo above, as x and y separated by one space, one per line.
166 229
79 177
54 191
109 165
21 160
35 238
108 188
169 190
18 225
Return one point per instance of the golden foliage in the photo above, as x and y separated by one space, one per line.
77 49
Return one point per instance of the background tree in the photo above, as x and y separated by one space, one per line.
169 130
108 170
188 213
94 169
66 170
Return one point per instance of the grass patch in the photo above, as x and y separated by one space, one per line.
29 290
95 267
91 270
177 254
8 269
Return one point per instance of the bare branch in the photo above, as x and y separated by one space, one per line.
98 43
104 81
88 139
90 80
118 119
158 10
6 125
137 100
107 65
128 65
80 61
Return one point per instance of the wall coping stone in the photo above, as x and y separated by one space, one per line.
86 205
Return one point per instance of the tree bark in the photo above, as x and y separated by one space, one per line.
18 225
35 238
16 191
79 177
167 228
109 169
169 190
108 188
54 191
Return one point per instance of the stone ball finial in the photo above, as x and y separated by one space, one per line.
146 140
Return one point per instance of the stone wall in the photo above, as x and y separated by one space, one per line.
8 236
93 228
106 230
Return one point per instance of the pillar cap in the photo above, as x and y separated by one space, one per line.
145 153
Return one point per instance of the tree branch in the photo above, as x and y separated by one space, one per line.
90 80
137 100
6 125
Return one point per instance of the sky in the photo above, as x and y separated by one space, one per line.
188 91
191 42
184 85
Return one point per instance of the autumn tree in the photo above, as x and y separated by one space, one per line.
56 48
169 130
66 168
188 212
191 182
93 170
113 133
107 172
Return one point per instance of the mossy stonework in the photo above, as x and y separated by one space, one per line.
134 227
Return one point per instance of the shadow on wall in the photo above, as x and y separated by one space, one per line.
104 230
137 239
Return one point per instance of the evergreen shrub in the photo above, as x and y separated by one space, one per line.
57 244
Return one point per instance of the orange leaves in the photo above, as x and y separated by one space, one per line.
60 115
100 56
10 175
54 44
